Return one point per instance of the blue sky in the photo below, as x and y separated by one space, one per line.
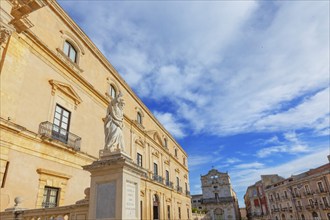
242 85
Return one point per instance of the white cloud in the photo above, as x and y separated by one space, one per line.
170 123
232 160
291 145
226 70
255 165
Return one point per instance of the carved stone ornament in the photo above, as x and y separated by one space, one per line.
155 153
4 34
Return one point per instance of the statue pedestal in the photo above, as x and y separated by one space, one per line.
115 187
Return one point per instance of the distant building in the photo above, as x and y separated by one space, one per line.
299 197
255 198
218 198
303 196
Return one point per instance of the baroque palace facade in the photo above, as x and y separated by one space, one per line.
299 197
55 89
218 199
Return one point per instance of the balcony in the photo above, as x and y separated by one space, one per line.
218 200
325 206
169 184
157 178
275 210
52 131
179 189
187 193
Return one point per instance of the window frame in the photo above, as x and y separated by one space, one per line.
112 91
57 129
46 200
139 118
70 48
139 159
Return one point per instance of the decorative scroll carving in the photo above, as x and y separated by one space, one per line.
4 34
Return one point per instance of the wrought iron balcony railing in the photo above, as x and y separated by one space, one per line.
179 189
53 131
187 193
157 178
169 184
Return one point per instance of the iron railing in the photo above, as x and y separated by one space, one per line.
53 131
157 178
169 184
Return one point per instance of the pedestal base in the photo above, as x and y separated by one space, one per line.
115 187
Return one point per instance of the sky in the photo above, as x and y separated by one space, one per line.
243 86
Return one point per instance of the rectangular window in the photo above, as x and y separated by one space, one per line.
61 124
320 186
299 203
179 213
311 202
168 212
325 201
155 169
307 189
285 194
177 182
167 176
139 159
50 197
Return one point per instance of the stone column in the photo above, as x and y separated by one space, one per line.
115 187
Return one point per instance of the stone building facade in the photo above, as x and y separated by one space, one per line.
218 197
299 197
55 89
255 199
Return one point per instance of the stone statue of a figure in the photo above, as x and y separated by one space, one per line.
113 125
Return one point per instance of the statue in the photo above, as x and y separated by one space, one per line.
113 125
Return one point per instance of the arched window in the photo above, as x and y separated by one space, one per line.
176 152
302 217
70 51
113 91
139 118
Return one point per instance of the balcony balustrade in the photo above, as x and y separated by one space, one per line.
157 178
52 131
169 184
217 200
179 189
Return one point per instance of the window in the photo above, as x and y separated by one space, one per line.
139 118
50 197
141 209
113 92
61 123
184 161
311 202
299 203
155 169
307 189
176 152
285 194
139 159
177 182
70 51
179 211
168 212
165 142
216 195
320 186
325 201
302 217
188 213
167 176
